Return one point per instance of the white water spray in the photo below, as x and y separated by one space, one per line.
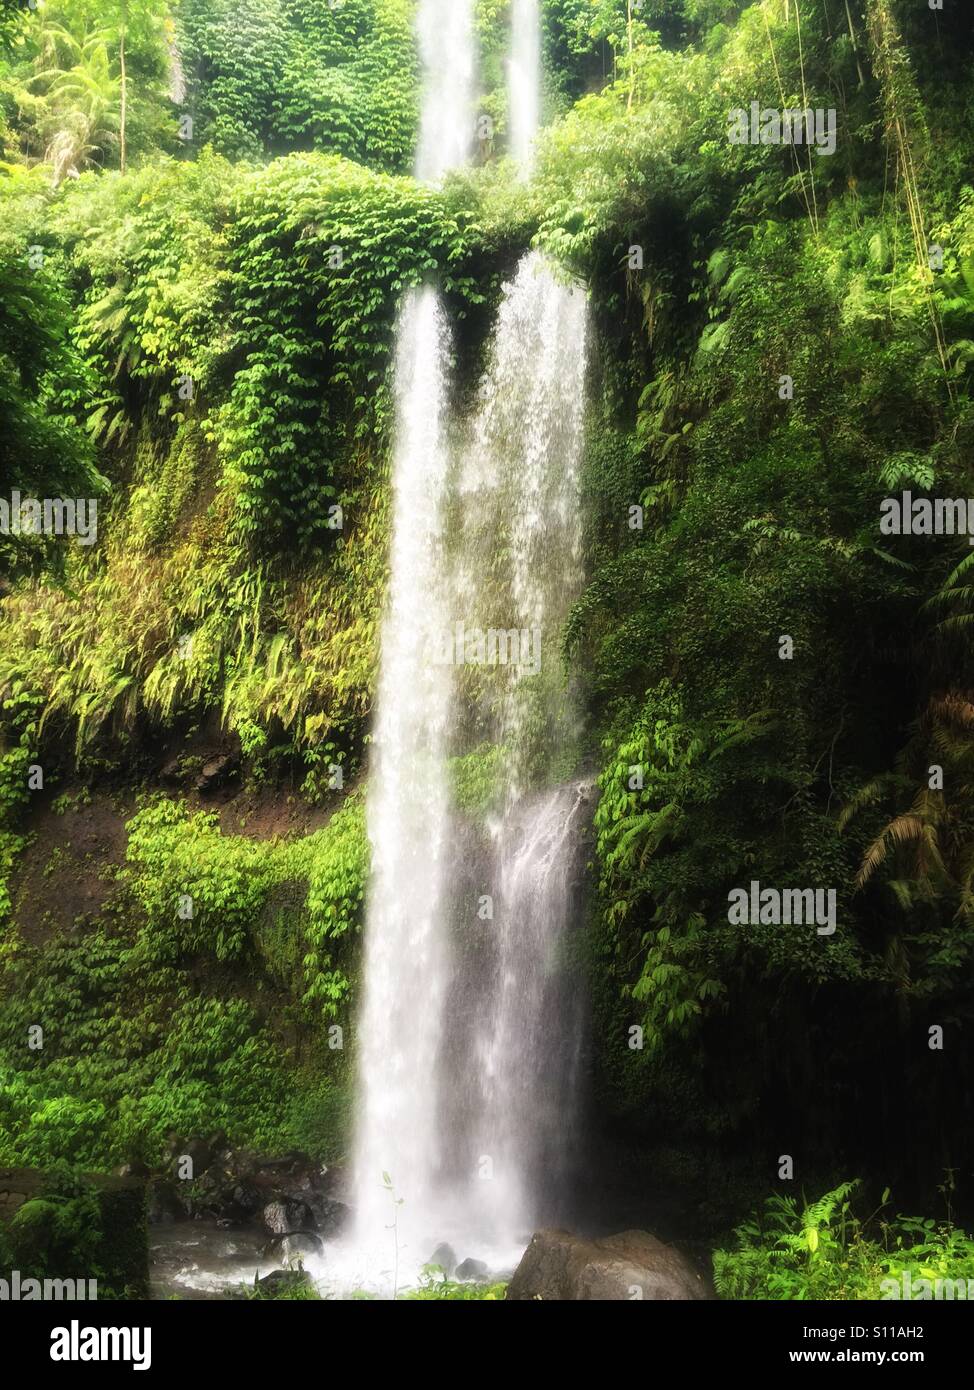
446 42
406 955
522 467
524 83
405 960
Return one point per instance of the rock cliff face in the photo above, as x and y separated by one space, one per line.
632 1265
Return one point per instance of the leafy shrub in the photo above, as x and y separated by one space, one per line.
199 890
135 1050
338 870
271 76
822 1250
434 1288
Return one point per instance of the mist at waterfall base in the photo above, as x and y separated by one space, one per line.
469 1038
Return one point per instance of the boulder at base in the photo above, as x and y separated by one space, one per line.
631 1265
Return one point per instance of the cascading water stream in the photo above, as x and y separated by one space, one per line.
405 950
523 465
468 1037
519 569
524 83
446 44
406 956
519 499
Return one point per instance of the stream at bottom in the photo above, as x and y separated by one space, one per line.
204 1260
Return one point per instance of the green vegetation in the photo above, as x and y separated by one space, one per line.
76 1228
195 330
435 1288
765 270
268 76
823 1251
177 1013
432 1289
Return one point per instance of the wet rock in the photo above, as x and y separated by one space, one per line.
247 1198
234 1186
331 1217
284 1281
200 1152
473 1270
627 1266
290 1163
287 1215
274 1217
219 1194
293 1173
173 771
445 1256
332 1182
163 1204
216 770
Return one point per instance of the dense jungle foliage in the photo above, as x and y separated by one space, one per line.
207 220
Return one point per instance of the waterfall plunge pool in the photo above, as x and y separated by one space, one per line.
202 1260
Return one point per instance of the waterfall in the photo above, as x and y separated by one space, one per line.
446 42
531 1049
519 500
468 1036
177 75
406 953
524 83
405 960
